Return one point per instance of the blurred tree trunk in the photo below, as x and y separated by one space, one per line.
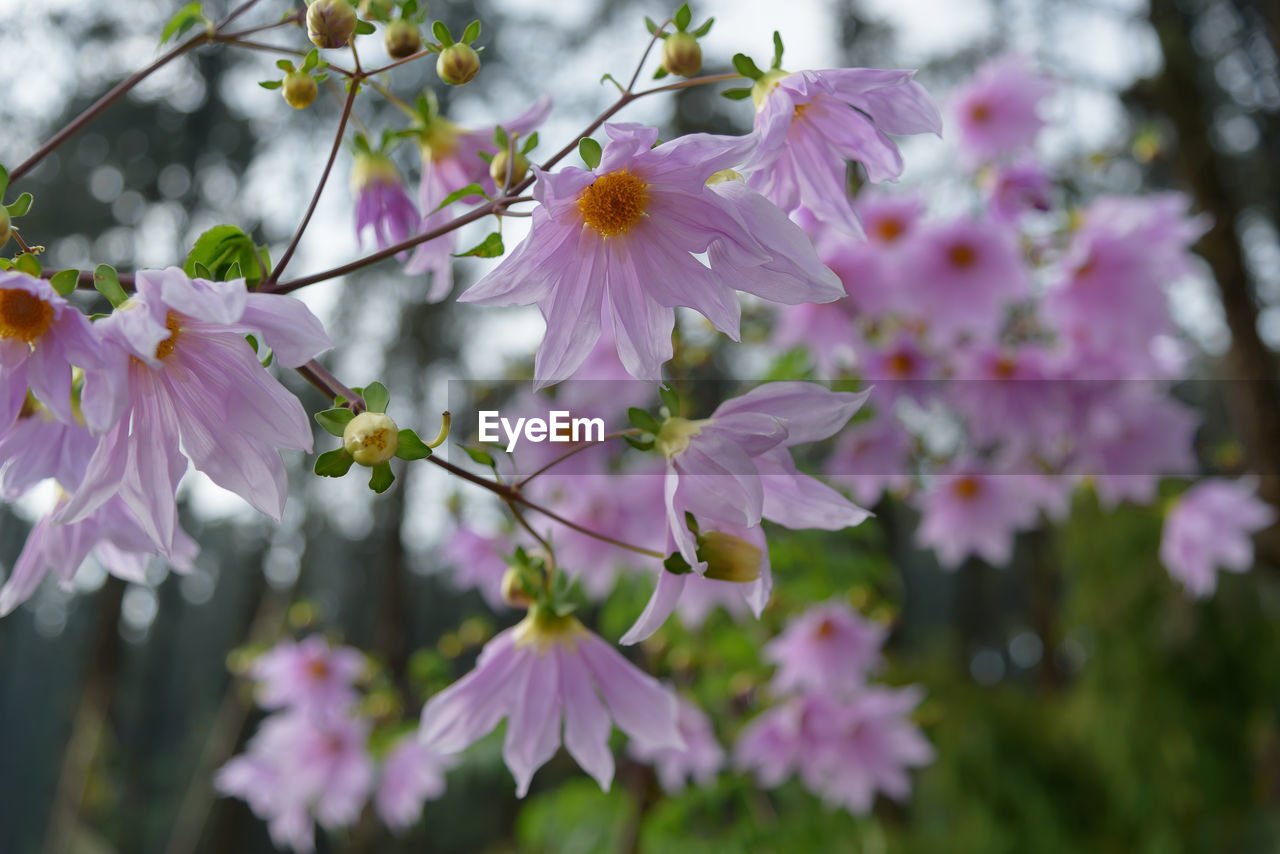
1186 93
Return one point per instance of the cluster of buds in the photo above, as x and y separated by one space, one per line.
403 35
370 439
458 62
331 23
681 53
510 164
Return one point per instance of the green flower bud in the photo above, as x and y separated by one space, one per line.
299 89
5 229
371 438
457 64
729 558
402 39
513 588
331 23
498 168
681 55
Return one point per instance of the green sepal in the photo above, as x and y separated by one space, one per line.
704 29
777 50
660 73
650 25
334 421
108 284
270 84
480 456
376 397
411 447
670 399
639 444
745 66
456 195
589 150
441 32
29 264
490 247
736 94
184 19
471 33
364 28
683 17
64 282
643 419
676 564
21 206
381 478
334 463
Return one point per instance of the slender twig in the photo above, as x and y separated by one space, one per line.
630 431
692 81
657 33
263 47
120 90
324 179
399 62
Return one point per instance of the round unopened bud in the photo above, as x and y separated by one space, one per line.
299 89
681 55
457 64
730 558
402 39
513 589
498 168
5 226
376 8
371 438
331 23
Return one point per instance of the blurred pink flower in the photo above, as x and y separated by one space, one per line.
997 112
410 775
382 205
830 648
966 512
1211 527
308 676
700 760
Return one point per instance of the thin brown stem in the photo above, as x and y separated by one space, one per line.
645 57
324 179
692 81
630 431
548 577
399 62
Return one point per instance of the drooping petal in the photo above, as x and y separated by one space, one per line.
639 704
659 608
586 723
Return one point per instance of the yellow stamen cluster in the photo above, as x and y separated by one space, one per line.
23 315
675 433
614 203
542 628
165 348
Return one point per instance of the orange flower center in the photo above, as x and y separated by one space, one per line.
165 348
962 256
901 364
966 488
825 629
1005 368
980 113
614 203
23 315
888 230
318 668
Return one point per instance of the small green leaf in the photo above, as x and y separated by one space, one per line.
107 282
736 94
530 144
676 564
312 59
471 33
184 19
683 17
670 399
457 195
441 32
704 29
480 456
589 150
381 478
364 28
411 447
28 263
490 247
659 74
642 419
271 84
21 206
335 420
284 65
650 25
218 250
639 444
746 67
376 397
65 281
334 463
500 138
4 180
777 49
409 9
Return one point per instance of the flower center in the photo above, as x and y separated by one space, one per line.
23 315
542 628
980 113
165 348
318 669
888 230
675 433
962 256
614 203
966 488
825 629
901 364
1005 368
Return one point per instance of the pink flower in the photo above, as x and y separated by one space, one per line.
700 760
41 337
382 205
38 446
410 776
1131 435
478 563
308 676
965 512
616 248
733 469
871 457
811 122
960 276
111 533
299 770
1015 190
1211 527
450 161
194 383
845 751
829 331
829 648
998 111
538 673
